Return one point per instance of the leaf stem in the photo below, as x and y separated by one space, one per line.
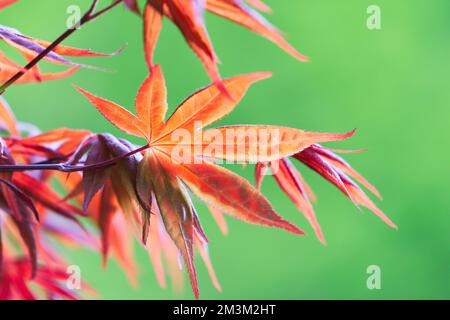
64 167
87 17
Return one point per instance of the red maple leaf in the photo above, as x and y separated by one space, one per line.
331 167
188 15
5 3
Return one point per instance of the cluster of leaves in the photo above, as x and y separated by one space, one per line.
122 191
188 16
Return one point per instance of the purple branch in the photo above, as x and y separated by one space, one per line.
64 167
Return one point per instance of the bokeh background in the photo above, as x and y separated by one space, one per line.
391 84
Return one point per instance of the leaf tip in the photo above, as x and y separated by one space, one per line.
259 76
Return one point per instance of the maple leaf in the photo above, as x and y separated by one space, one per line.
24 195
49 282
162 181
7 118
330 166
258 4
110 215
106 191
162 248
117 218
31 47
40 147
26 278
6 3
19 207
132 5
8 69
18 201
188 15
146 191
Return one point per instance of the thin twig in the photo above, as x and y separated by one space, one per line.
87 17
64 167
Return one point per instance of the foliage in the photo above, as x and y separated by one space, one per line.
144 192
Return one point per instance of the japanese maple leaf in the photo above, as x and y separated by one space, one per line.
43 273
132 5
161 246
163 181
29 273
330 166
188 15
109 208
50 282
20 197
26 198
5 3
60 142
258 4
7 118
30 47
24 195
8 68
110 199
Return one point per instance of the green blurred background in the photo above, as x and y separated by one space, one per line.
391 84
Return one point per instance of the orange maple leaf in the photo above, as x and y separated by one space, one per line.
164 178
